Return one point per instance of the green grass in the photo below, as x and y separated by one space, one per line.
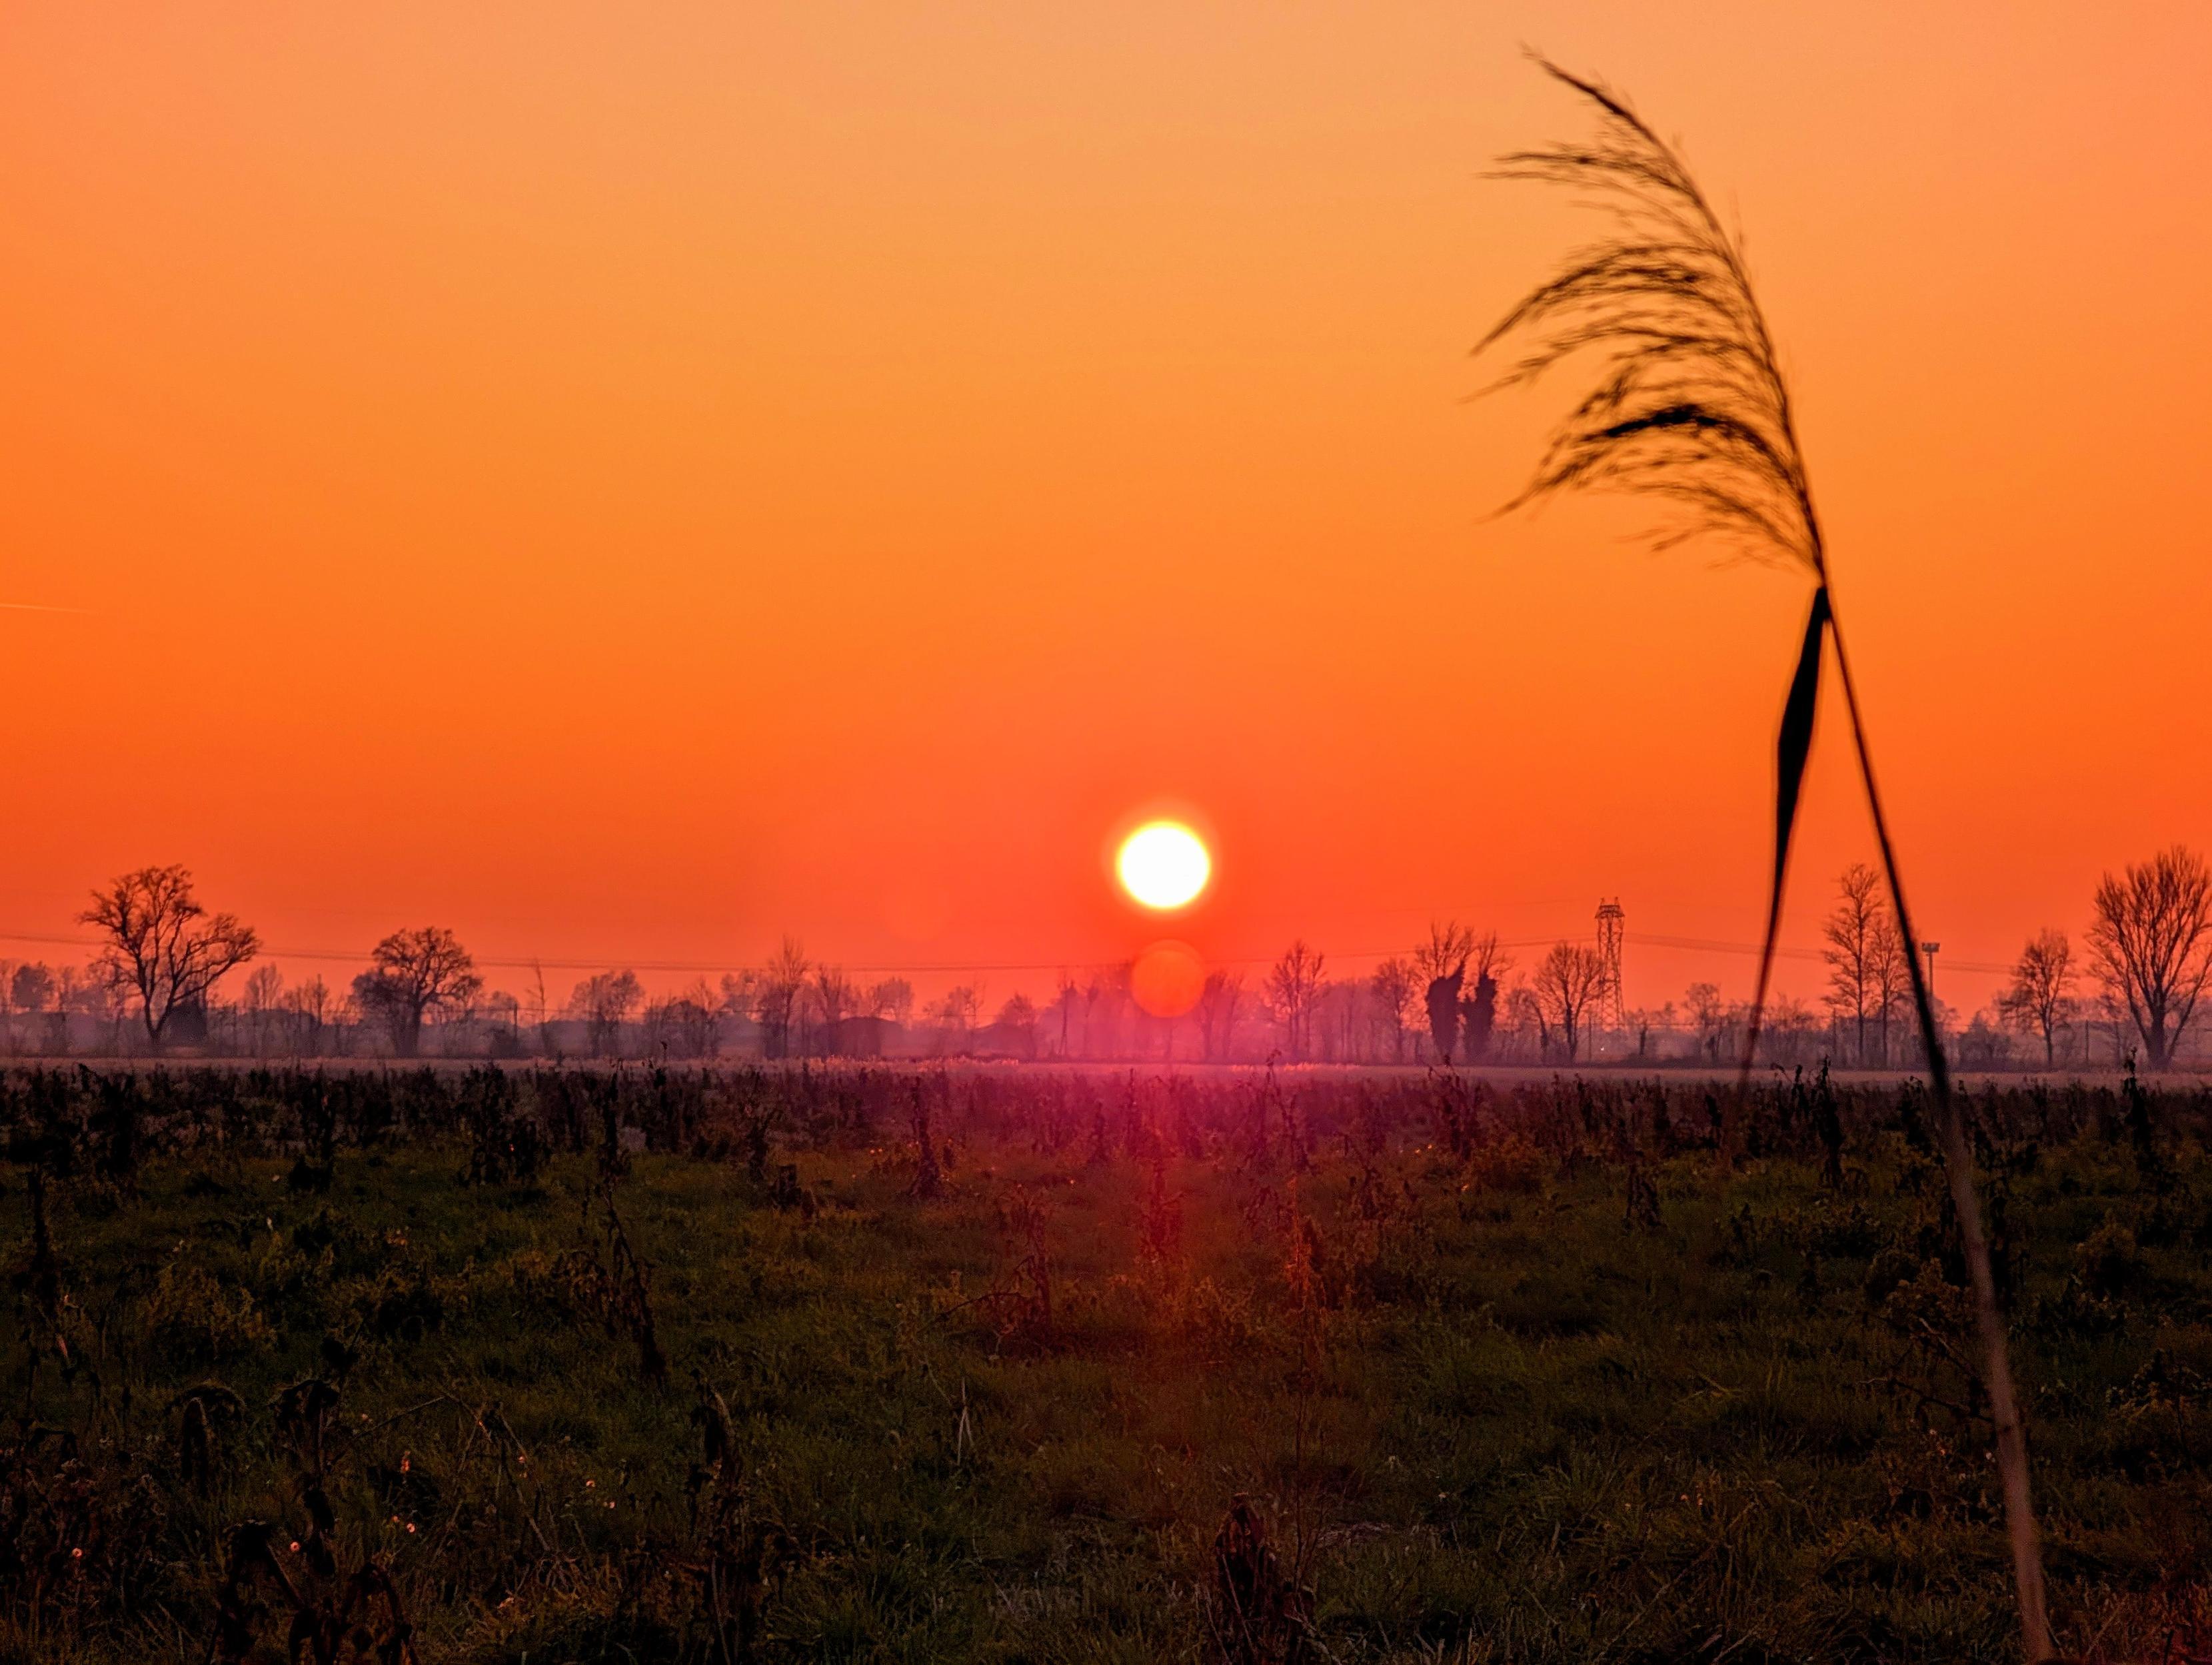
1511 1428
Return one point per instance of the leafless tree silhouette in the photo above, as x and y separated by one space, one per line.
1852 932
1567 983
2151 944
161 944
2040 998
411 975
1292 988
1689 407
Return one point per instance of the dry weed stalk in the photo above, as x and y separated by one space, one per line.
1691 407
1262 1612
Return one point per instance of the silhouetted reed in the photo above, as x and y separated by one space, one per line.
1690 406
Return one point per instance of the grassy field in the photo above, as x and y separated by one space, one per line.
553 1366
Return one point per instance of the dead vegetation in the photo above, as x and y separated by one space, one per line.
1272 1367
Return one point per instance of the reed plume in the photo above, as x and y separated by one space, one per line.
1689 407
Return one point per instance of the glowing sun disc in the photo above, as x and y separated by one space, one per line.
1163 864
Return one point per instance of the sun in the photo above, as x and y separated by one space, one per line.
1163 864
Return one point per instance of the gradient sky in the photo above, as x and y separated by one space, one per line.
627 484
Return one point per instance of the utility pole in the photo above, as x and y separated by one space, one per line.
1928 949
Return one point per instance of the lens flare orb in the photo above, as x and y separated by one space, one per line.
1164 865
1167 979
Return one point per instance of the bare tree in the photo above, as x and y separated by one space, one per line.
1792 1025
836 998
1394 987
258 1005
1851 932
162 945
1710 1013
2040 1000
741 995
501 1013
892 1000
1567 982
954 1013
1890 969
308 1004
1217 1011
1525 1014
413 975
1018 1015
1450 947
1488 958
1642 1020
605 1001
2151 944
1292 987
1105 993
31 986
776 997
699 1017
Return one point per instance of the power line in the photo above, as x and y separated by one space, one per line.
569 963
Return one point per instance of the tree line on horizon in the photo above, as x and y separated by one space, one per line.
2129 991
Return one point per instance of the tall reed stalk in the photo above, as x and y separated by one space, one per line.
1690 406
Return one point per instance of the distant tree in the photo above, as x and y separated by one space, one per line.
776 993
502 1011
1567 982
1217 1013
741 995
1018 1011
264 989
1709 1015
1067 1000
892 1000
1982 1045
1890 969
954 1013
836 998
413 975
698 1013
69 985
1441 1000
102 1000
344 1021
1105 997
162 946
1450 947
1342 1027
1392 988
605 1001
1292 987
1478 1017
1489 959
664 1032
1525 1016
1853 932
2040 999
32 986
2151 944
1643 1019
1789 1027
308 1005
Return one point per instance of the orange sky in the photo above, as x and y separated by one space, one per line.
628 484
